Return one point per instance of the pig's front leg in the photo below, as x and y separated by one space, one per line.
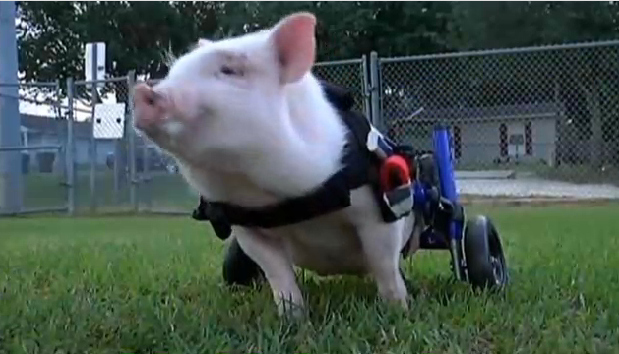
270 255
382 244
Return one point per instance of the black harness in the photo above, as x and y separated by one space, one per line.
360 167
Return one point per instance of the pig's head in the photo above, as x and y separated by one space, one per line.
252 94
228 92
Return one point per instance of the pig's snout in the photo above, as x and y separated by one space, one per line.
150 106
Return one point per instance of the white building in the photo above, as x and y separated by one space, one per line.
488 135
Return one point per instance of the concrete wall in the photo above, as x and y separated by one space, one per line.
481 141
544 138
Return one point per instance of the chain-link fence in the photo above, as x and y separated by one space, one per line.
524 122
33 160
101 152
351 74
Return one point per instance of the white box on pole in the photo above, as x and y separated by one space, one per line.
109 121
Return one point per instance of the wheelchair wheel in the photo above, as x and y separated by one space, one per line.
486 266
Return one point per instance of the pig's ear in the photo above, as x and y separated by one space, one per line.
294 41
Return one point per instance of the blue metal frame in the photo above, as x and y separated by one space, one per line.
429 239
444 155
435 237
439 236
445 216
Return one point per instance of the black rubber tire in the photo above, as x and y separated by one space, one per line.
238 268
485 260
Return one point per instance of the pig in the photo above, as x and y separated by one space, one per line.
248 123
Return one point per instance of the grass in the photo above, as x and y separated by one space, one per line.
153 285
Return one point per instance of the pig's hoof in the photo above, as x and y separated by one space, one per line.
407 282
292 313
238 269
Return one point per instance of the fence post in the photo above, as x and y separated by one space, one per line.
133 195
365 84
12 196
148 177
375 91
61 130
70 158
93 143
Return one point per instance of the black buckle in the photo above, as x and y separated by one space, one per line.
206 212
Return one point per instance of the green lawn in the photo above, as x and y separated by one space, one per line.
153 285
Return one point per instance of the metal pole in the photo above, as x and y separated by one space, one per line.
120 152
11 179
365 84
375 92
131 136
70 150
148 176
61 130
93 143
117 169
447 181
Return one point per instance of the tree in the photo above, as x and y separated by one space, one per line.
52 35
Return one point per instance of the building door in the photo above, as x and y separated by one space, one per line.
457 136
516 139
503 139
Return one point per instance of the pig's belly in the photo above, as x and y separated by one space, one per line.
327 245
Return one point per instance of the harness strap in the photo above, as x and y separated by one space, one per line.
291 211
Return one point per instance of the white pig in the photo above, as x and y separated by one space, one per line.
249 124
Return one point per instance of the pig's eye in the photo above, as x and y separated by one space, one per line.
226 70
